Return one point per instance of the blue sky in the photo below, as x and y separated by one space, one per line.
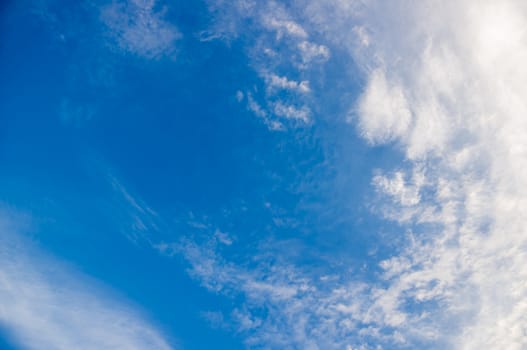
263 175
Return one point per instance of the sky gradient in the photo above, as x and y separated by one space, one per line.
305 174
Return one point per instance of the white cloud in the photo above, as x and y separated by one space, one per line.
311 52
223 237
138 27
279 44
137 220
445 82
291 112
44 304
239 96
406 194
260 112
254 107
265 285
275 82
456 70
286 306
383 110
282 27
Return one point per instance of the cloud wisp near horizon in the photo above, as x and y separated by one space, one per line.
308 174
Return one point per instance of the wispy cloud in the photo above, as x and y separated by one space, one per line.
286 306
283 25
291 112
109 30
444 83
275 82
44 304
259 111
138 27
281 44
138 220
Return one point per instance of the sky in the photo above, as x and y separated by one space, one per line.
243 174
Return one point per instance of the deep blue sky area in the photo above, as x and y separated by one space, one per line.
113 151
